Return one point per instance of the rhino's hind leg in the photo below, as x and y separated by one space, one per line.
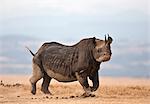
37 75
45 84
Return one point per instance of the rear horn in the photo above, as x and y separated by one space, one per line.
105 38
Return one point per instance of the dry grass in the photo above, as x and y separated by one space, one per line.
16 90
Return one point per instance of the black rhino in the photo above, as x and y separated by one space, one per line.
70 63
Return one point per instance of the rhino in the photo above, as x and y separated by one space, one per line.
65 63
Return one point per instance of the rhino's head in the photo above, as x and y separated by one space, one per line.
102 51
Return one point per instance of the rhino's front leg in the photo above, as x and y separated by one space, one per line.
95 81
84 82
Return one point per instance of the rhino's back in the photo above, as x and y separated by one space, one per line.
59 62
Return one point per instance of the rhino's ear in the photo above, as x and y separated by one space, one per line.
94 40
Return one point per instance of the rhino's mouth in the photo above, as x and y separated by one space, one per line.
104 58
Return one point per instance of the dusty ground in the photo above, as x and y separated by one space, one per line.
16 90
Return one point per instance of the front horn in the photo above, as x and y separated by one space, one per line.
109 39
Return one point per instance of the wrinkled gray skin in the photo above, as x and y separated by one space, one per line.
70 63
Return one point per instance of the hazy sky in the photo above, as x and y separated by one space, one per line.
68 19
128 22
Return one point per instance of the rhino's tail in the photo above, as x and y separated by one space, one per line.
30 51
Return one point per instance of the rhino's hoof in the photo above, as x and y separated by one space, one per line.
87 95
46 92
33 92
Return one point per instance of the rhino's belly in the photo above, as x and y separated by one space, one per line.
60 77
